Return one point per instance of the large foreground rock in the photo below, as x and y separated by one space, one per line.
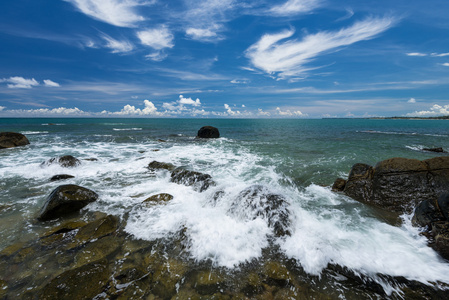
399 184
66 199
208 132
12 139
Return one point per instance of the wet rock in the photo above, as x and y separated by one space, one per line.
163 197
12 139
91 159
61 177
199 181
97 250
208 132
277 274
66 161
167 276
3 288
209 282
399 184
425 214
155 165
437 150
256 201
66 199
95 230
339 185
443 205
84 282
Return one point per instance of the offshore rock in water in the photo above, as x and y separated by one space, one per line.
159 198
66 199
257 201
437 150
199 181
66 161
61 177
208 132
399 184
156 165
12 139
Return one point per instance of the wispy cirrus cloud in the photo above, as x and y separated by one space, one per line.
115 12
295 7
50 83
117 46
158 39
288 58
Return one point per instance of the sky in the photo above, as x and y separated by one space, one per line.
224 58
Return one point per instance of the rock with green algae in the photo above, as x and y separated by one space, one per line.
84 282
3 289
159 198
66 199
209 282
166 276
97 250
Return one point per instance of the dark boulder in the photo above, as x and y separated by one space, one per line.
339 185
258 201
208 132
61 177
437 150
399 184
156 165
64 200
66 161
12 139
199 181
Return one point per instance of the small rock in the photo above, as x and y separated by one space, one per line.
61 177
66 199
91 159
66 161
155 165
163 197
339 185
208 132
438 150
12 139
199 181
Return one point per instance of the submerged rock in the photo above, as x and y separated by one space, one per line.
257 201
66 161
437 150
199 181
163 197
66 199
208 132
12 139
61 177
156 165
399 184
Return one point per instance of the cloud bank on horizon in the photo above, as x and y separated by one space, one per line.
243 59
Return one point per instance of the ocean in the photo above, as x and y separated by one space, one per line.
295 158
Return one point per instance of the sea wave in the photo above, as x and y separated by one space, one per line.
402 133
126 129
34 132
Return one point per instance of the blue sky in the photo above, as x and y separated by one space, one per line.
224 58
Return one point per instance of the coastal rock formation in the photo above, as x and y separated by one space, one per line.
208 132
437 150
12 139
257 201
199 181
66 199
399 184
66 161
156 165
61 177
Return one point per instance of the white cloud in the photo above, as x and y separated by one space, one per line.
260 112
288 113
156 38
17 82
416 54
288 58
157 56
117 46
120 13
445 64
435 111
440 54
202 34
411 100
189 101
294 7
60 111
149 109
239 81
50 83
2 108
230 111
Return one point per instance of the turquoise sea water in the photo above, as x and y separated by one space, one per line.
298 159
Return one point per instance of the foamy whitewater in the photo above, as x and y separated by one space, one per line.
297 159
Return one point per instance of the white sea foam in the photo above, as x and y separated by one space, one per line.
126 129
34 132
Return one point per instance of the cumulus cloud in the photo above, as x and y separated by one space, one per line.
117 46
60 111
288 113
181 106
295 7
260 112
50 83
189 101
120 13
156 38
149 109
435 111
17 82
289 58
411 100
230 111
